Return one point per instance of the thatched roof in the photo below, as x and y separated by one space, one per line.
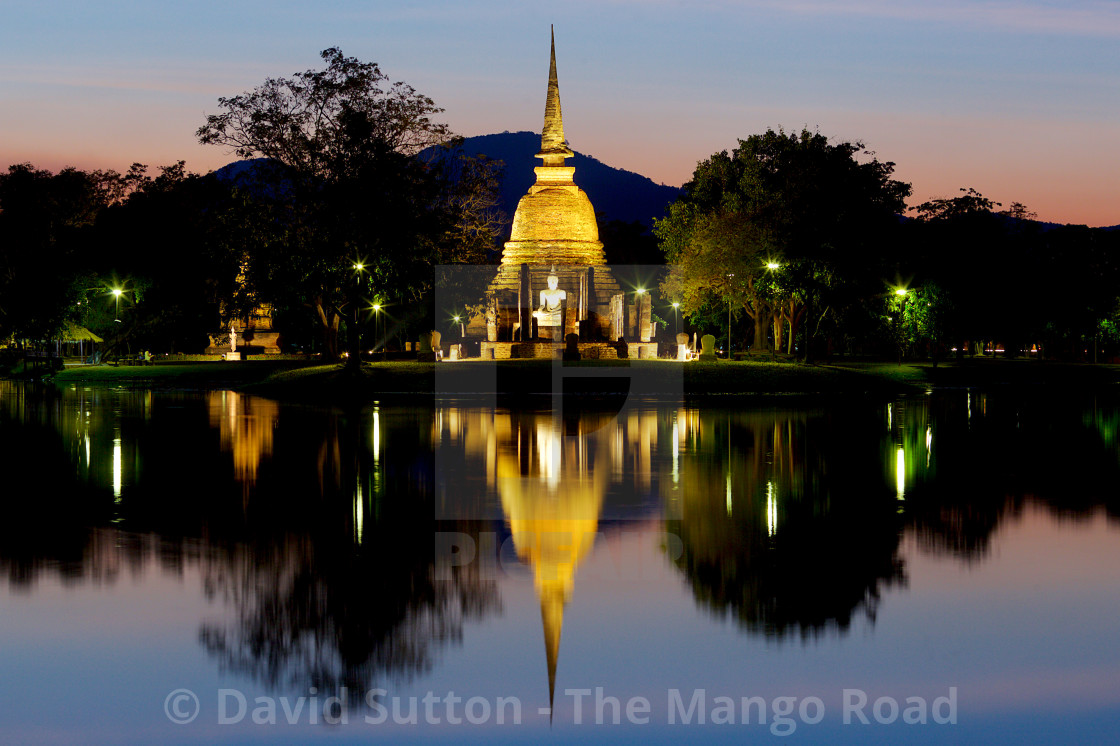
71 332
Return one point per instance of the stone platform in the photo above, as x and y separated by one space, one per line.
548 349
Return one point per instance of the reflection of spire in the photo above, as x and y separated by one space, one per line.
553 513
552 619
554 149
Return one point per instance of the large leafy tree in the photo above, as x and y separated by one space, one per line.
820 211
346 212
43 220
172 244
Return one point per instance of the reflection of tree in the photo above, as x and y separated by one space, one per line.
329 568
316 611
346 588
779 526
993 453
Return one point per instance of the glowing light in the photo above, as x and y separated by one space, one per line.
118 470
359 511
640 291
549 453
676 304
771 509
676 452
455 318
900 472
900 291
376 306
772 265
359 266
376 436
117 292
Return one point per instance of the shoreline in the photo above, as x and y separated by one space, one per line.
707 382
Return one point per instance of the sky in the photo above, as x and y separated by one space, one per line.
1018 99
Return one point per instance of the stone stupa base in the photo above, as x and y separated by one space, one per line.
547 349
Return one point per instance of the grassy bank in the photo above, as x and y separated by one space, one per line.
655 378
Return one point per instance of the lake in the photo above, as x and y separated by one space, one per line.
208 566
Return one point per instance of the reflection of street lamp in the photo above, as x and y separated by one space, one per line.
117 302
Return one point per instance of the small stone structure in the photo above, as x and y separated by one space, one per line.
684 354
708 348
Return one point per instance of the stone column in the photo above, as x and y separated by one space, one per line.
645 318
491 318
572 316
618 311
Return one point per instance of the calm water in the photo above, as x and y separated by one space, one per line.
948 557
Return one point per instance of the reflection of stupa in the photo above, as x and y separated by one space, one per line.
555 234
553 513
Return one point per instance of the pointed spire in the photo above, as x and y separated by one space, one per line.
552 618
553 146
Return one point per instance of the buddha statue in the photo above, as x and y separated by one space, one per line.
551 309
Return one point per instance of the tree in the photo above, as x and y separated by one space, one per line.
791 200
326 123
346 210
173 244
44 219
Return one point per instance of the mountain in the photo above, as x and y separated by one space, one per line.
617 194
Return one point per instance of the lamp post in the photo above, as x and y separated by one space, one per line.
376 324
901 293
676 317
729 276
117 303
355 341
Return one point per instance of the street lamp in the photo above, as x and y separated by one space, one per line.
676 317
117 303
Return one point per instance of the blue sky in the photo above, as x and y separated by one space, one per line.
1020 100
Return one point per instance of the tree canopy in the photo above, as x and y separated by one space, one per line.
352 215
778 226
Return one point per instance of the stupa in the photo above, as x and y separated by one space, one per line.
553 280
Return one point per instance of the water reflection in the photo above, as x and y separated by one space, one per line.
313 529
552 498
776 533
246 425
